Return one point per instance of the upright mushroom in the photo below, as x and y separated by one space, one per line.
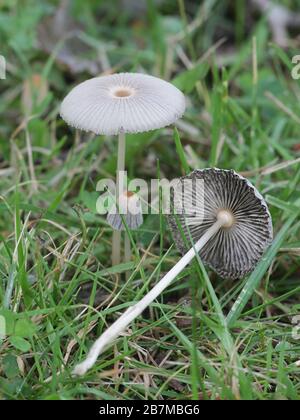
122 103
234 230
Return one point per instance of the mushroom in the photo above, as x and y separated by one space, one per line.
122 103
235 249
230 229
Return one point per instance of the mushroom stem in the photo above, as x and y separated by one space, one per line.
116 239
116 248
133 311
121 160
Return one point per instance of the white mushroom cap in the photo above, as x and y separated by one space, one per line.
123 102
236 249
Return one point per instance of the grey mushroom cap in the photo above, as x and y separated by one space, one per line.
234 251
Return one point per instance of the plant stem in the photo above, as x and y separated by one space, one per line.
116 239
132 312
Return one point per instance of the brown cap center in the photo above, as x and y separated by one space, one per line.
123 92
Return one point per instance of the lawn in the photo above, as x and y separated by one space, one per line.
205 337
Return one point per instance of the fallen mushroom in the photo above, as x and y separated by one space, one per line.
235 231
118 104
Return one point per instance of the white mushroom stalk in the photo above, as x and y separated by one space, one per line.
122 103
116 239
224 220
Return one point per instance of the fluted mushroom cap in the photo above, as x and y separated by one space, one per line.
234 251
122 102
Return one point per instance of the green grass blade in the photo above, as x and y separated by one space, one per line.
180 152
255 278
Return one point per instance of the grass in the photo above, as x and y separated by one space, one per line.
205 338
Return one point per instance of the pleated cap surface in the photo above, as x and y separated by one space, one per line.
122 102
233 252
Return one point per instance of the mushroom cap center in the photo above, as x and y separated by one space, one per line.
123 92
129 194
226 217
